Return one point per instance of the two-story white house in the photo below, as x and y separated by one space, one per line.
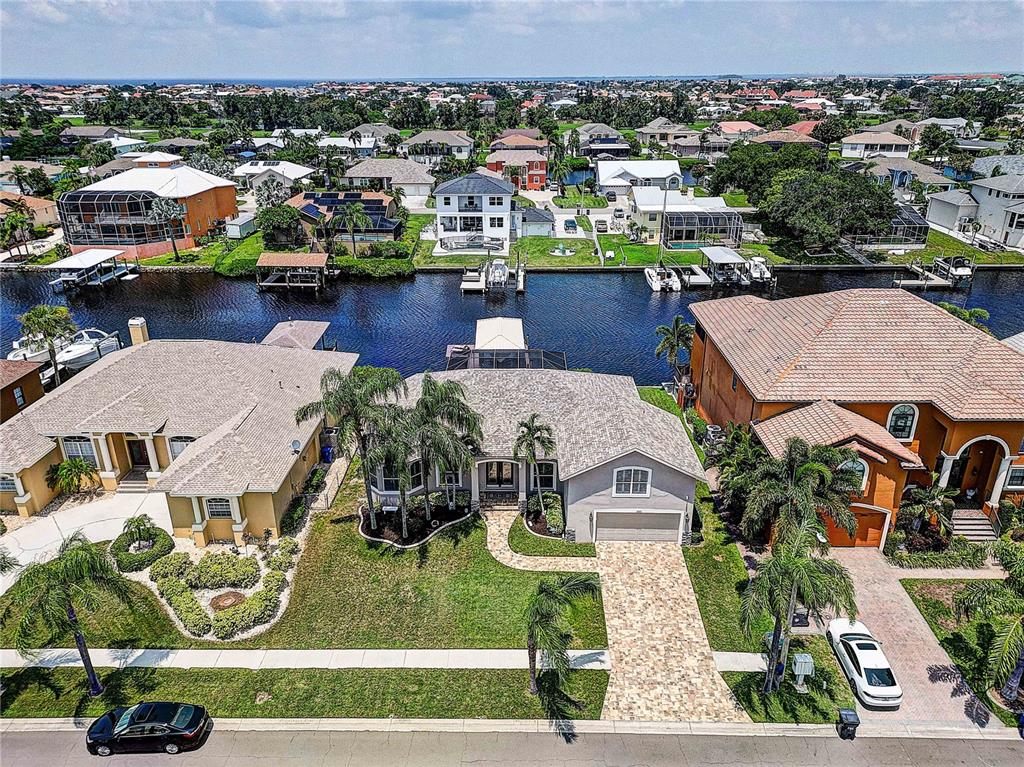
861 145
475 213
996 204
430 146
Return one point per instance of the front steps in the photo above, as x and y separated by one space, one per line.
973 525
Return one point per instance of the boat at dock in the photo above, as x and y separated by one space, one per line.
662 278
91 268
956 269
501 343
726 267
86 347
34 349
494 276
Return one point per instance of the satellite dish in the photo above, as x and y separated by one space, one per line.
296 446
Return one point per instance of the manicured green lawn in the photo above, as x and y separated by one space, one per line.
657 396
966 641
584 223
524 202
45 258
413 227
537 250
736 199
765 250
522 541
575 197
361 693
234 263
941 244
828 689
636 254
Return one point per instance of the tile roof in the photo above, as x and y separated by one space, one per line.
1016 342
865 345
515 156
36 203
176 182
826 423
954 196
21 445
596 418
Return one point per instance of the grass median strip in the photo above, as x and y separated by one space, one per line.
522 541
280 693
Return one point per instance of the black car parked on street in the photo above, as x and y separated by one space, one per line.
148 727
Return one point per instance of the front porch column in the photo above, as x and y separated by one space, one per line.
151 454
474 488
236 512
524 476
947 468
18 486
106 463
196 512
997 486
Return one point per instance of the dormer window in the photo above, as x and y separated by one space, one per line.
903 422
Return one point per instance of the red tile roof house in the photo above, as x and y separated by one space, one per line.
804 126
910 388
534 165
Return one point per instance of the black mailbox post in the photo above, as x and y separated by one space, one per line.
848 722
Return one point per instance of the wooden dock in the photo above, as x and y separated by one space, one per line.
923 280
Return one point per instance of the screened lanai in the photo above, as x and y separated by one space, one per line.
692 228
112 218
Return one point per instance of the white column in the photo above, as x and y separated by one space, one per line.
18 487
524 476
474 485
947 467
151 452
997 486
236 513
107 464
196 512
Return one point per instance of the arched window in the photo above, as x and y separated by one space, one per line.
860 466
218 508
178 444
903 422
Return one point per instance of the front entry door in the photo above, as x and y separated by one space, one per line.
959 469
137 453
499 475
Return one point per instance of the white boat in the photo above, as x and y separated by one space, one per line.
33 349
497 274
953 268
86 347
662 278
759 269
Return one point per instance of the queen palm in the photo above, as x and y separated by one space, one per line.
558 171
441 421
1004 602
547 629
806 480
48 595
674 339
394 445
353 401
14 226
535 440
46 325
790 574
352 217
139 529
742 454
19 175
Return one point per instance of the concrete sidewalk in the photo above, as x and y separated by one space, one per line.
329 659
740 661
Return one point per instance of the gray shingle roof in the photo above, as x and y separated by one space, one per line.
399 171
1008 163
955 196
537 216
1013 183
475 183
446 137
595 418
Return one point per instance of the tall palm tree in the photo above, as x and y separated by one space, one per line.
139 529
1003 601
353 401
48 594
791 574
352 217
15 225
927 503
165 212
547 629
741 455
535 440
674 340
19 174
558 171
806 480
394 445
441 421
47 324
355 137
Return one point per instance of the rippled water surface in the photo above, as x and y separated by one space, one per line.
604 322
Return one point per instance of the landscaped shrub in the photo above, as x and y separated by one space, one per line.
185 605
388 249
172 566
129 561
260 608
274 581
316 480
380 268
283 559
960 553
291 520
698 425
553 513
215 571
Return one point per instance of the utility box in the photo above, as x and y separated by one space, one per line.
803 666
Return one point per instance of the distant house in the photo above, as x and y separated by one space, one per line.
429 147
996 204
285 132
558 104
533 133
737 129
620 176
316 207
42 211
958 127
516 141
711 147
366 146
680 220
73 134
412 177
777 139
115 166
8 183
537 222
532 165
799 95
600 141
179 144
475 213
372 130
20 386
861 145
258 172
663 131
122 144
898 173
1011 164
907 128
857 102
806 127
9 136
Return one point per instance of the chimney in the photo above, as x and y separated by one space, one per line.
139 330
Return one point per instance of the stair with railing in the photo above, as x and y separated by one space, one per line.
973 525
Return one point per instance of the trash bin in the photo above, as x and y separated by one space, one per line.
327 454
848 723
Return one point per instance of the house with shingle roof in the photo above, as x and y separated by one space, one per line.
908 387
411 176
995 205
430 146
867 144
210 424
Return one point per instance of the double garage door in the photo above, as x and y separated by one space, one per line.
637 526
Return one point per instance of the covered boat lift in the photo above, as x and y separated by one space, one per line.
291 270
94 266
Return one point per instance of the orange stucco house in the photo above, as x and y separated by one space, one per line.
910 388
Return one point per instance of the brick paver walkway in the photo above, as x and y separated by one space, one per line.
934 692
662 665
499 522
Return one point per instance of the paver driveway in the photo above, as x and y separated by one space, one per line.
934 692
662 665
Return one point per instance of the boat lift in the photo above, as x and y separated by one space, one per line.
92 267
923 279
494 276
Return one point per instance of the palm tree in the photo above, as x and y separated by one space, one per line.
804 481
1003 601
354 401
139 529
70 475
355 137
48 324
573 142
8 563
558 171
49 592
15 225
535 440
394 445
441 421
675 339
547 629
791 574
351 217
393 141
741 455
19 175
927 503
165 211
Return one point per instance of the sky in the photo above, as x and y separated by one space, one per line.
366 39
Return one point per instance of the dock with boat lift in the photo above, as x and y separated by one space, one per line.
92 267
922 279
494 276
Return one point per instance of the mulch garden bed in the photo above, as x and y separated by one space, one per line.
389 525
539 525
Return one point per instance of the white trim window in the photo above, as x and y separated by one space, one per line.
545 471
902 422
7 484
632 481
388 479
447 478
416 474
176 445
218 508
80 447
860 466
19 396
1015 478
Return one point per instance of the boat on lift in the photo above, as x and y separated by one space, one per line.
662 278
86 347
759 270
956 269
497 274
34 349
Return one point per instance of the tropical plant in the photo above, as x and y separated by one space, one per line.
15 225
393 445
933 502
353 401
71 475
19 175
1004 602
558 171
791 574
270 194
47 324
535 440
547 629
674 340
8 562
48 595
393 141
806 480
741 455
975 317
140 530
350 218
166 212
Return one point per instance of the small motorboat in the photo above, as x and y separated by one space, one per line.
953 268
498 274
759 269
86 347
662 278
34 349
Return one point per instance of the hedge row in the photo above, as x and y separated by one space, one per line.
215 571
129 561
380 268
185 605
552 510
283 559
257 609
960 553
172 566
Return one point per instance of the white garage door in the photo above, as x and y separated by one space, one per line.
637 526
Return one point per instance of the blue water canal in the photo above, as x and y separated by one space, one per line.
604 322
